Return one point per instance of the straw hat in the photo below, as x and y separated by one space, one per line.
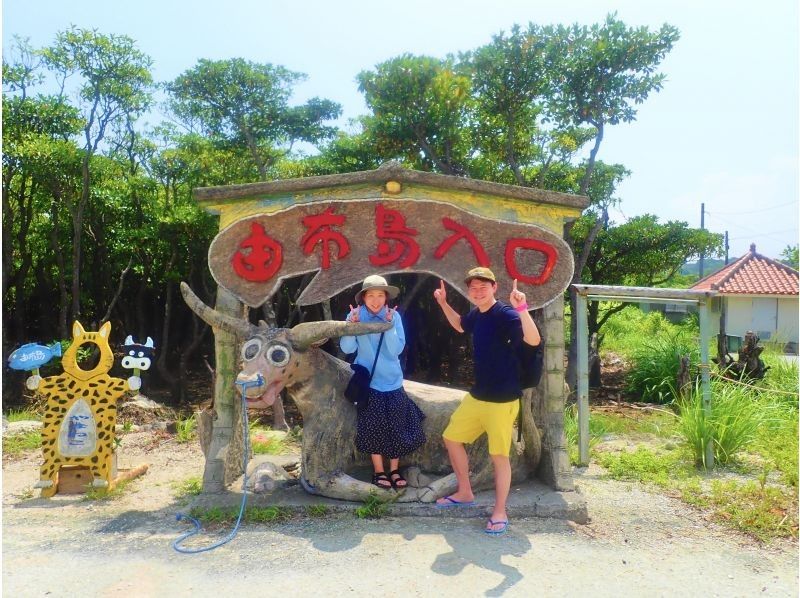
373 281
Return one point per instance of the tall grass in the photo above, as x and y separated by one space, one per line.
625 331
656 363
732 424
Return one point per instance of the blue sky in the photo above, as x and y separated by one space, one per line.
723 131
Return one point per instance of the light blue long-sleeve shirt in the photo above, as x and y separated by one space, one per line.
388 374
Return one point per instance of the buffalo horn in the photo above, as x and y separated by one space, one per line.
214 318
305 334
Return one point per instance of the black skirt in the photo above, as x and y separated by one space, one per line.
391 425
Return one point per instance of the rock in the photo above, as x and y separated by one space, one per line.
267 477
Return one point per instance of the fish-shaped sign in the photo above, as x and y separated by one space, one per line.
33 356
348 240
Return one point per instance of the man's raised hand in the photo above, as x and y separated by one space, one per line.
517 297
440 294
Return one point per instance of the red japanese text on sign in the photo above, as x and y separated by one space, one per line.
259 256
395 240
320 232
461 232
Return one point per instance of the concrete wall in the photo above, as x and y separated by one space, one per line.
775 319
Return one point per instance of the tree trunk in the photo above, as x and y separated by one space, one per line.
77 236
63 297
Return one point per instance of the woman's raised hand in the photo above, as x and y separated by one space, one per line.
353 315
390 311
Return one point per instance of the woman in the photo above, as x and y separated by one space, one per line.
391 425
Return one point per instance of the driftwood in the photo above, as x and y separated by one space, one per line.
683 380
595 378
315 380
749 365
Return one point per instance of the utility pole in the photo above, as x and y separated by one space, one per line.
726 248
702 227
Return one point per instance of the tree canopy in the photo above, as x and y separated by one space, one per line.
98 219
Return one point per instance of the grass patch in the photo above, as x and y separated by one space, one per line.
186 429
188 487
19 415
104 493
317 510
219 515
601 424
644 465
763 512
19 443
373 508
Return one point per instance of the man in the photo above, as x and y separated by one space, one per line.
492 404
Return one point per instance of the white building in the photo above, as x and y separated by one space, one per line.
759 294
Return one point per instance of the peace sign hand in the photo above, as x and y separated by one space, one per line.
353 315
517 297
390 312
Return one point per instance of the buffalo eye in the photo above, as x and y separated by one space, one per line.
278 355
132 353
251 349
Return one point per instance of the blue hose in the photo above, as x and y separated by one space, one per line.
181 516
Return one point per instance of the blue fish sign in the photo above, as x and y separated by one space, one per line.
33 356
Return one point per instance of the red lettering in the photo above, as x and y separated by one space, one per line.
395 239
461 232
320 231
511 260
259 256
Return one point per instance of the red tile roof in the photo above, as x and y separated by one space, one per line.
752 274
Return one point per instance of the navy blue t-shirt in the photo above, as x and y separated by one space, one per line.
496 335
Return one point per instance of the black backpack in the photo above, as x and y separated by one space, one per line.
530 363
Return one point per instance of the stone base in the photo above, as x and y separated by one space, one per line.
529 499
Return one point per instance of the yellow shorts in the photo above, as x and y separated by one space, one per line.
473 417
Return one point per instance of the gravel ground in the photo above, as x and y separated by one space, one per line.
637 544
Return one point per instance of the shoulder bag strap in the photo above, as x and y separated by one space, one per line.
374 363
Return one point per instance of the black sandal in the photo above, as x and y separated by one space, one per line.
377 478
396 480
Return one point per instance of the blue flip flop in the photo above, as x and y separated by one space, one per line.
454 503
497 532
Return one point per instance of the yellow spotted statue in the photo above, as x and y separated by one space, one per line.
79 424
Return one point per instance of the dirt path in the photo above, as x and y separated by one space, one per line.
636 544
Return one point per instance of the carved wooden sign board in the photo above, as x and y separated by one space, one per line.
345 241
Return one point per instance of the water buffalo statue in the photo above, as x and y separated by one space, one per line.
291 358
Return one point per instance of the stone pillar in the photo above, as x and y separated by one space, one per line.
224 457
549 401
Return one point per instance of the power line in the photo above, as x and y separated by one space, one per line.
789 203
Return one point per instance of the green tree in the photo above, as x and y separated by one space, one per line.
114 84
244 104
419 110
639 252
41 170
789 256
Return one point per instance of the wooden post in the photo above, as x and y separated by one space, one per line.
224 458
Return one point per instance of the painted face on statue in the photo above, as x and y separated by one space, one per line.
374 300
481 293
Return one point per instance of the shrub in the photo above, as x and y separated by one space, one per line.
733 423
656 363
